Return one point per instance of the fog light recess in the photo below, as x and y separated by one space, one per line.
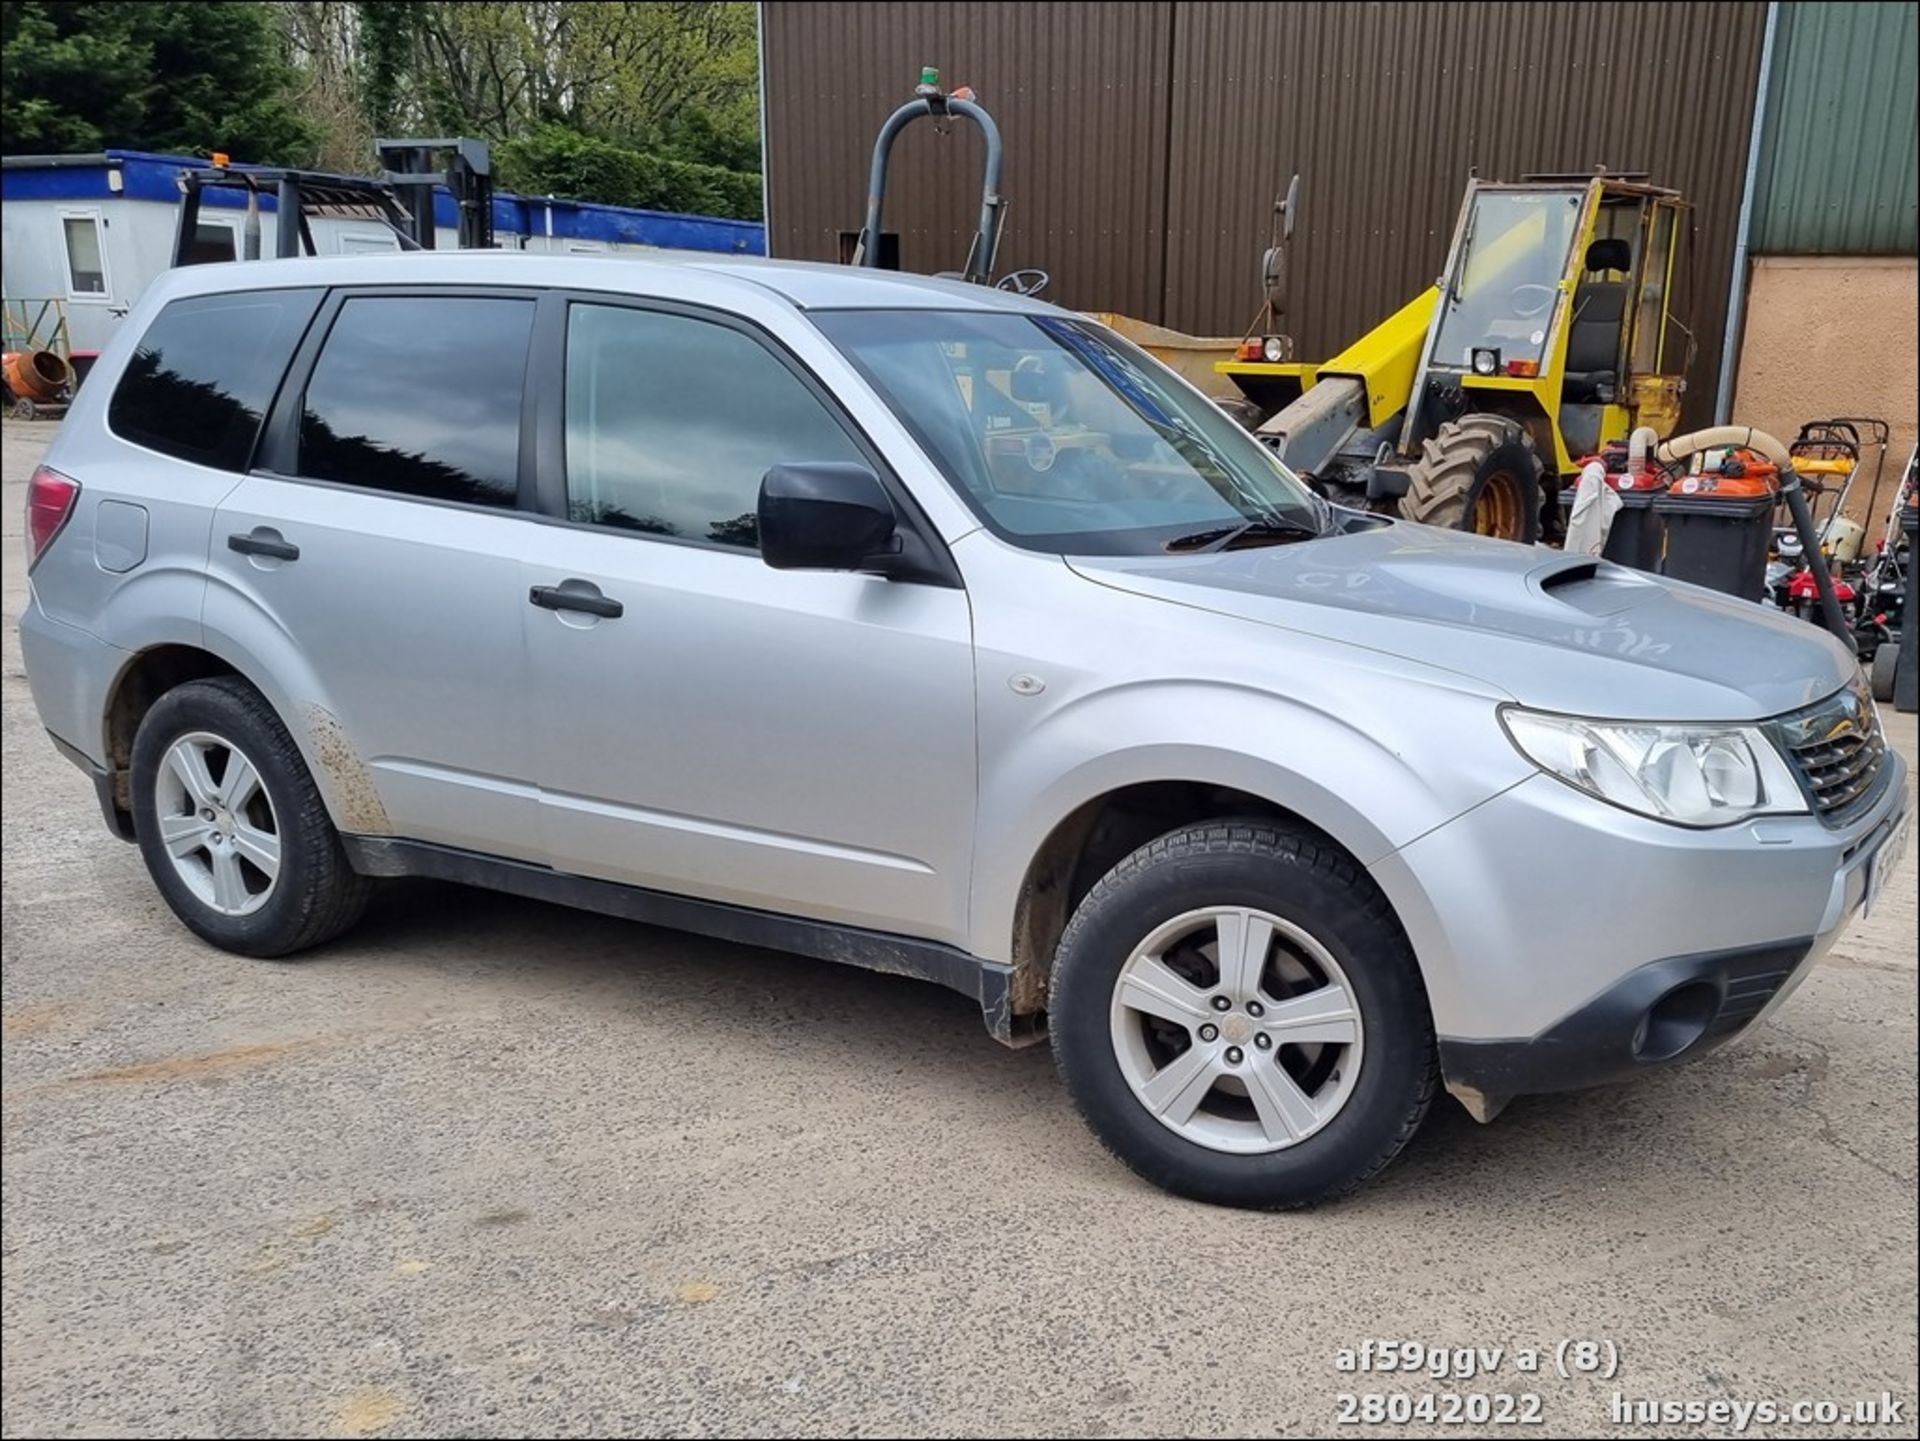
1676 1021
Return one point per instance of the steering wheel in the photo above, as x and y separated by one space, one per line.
1522 308
1024 282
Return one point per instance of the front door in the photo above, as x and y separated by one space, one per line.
793 741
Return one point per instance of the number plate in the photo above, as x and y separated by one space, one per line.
1885 861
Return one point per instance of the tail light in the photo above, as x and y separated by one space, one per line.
50 500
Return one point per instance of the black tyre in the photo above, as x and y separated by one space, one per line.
1886 660
232 827
1479 473
1240 1019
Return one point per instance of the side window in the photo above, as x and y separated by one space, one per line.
1653 292
206 371
672 422
420 396
86 266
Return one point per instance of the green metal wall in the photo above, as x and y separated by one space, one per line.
1839 170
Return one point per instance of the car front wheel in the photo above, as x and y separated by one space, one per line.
1238 1016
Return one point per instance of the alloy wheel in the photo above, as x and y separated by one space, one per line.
217 823
1237 1030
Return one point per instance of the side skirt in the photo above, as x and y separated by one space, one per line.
988 982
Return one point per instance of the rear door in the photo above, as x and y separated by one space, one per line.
186 411
796 741
370 563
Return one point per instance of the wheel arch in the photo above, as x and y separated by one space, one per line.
152 671
146 675
1526 409
1110 807
1096 836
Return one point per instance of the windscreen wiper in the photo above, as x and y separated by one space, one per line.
1266 527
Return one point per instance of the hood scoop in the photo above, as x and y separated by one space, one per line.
1597 587
1578 570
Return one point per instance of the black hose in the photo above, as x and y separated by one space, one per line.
1796 500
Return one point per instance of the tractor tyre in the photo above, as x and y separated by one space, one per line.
1479 473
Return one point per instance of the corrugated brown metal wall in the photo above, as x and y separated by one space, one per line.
1145 142
1079 93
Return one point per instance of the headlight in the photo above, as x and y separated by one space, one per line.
1690 775
1486 362
1275 349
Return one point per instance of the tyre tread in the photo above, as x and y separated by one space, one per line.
1440 481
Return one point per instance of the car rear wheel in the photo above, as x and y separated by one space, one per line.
232 827
1239 1018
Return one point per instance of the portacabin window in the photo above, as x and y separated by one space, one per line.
213 242
86 254
672 421
420 396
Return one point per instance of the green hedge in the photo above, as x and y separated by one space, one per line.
557 161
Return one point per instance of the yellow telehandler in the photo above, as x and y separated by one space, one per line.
1548 335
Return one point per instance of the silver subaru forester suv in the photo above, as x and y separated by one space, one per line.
935 630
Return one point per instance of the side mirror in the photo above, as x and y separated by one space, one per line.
826 515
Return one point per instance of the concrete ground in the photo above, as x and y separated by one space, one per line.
489 1167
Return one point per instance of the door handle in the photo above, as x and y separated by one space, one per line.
589 600
264 542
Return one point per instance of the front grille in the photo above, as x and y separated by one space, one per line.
1838 754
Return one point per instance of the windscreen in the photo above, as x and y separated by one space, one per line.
1504 285
1065 438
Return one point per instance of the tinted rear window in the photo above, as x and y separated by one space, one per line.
205 373
420 396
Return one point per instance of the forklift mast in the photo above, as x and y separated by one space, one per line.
409 168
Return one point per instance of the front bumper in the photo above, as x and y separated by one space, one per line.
1567 942
1668 1011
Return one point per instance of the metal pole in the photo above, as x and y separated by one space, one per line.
1737 288
1906 674
286 225
866 250
186 223
250 247
766 178
981 268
